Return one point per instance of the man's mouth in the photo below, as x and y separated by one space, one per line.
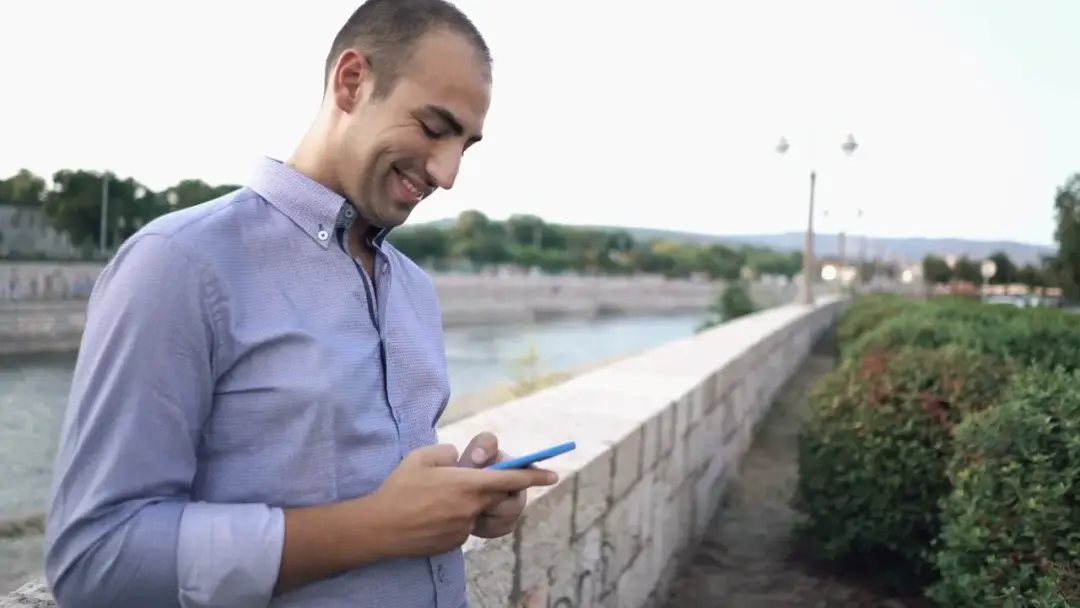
412 190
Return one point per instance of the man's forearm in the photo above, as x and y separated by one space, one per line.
324 541
126 557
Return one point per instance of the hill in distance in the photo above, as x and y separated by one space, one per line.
910 249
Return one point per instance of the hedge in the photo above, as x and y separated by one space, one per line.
1046 337
942 453
1011 532
874 450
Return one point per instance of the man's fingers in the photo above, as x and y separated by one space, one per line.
481 451
517 480
441 455
505 506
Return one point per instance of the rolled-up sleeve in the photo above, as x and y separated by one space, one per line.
121 529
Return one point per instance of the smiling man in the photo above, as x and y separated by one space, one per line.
252 416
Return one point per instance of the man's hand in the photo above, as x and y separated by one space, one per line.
501 518
430 505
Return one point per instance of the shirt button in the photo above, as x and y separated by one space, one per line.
349 213
440 574
322 235
385 268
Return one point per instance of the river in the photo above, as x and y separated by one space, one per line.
33 396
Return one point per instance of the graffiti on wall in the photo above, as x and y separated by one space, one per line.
28 282
590 580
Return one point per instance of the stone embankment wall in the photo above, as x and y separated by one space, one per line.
659 436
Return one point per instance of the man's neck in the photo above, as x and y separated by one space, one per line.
311 159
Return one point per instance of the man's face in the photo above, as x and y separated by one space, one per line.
394 151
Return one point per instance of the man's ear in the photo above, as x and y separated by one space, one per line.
351 81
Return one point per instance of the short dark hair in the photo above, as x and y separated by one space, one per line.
387 31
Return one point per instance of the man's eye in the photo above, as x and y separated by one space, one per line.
429 132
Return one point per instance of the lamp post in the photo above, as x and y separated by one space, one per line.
806 289
103 237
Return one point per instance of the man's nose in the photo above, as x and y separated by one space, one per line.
444 165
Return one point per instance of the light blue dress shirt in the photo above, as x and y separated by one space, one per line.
237 362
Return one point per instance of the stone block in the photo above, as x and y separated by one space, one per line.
698 401
667 429
682 416
627 468
637 582
650 442
490 564
592 492
623 528
544 535
579 579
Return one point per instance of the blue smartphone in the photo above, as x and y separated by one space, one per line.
522 462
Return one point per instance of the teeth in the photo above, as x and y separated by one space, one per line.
417 192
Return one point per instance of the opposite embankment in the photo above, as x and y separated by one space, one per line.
659 435
43 306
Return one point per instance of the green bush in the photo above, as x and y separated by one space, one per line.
867 312
1045 337
734 302
874 450
1011 525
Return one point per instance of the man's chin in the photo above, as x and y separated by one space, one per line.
399 213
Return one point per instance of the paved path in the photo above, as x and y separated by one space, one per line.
744 561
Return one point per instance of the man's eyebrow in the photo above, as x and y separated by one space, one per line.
451 121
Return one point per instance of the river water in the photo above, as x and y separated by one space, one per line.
33 397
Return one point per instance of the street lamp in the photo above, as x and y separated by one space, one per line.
807 288
103 228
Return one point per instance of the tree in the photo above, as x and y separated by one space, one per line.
936 270
74 205
23 188
867 271
423 244
73 202
1030 275
191 192
1006 271
1067 236
766 261
966 269
479 240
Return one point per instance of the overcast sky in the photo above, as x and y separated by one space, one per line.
661 114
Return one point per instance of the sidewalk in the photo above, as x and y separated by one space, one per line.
744 560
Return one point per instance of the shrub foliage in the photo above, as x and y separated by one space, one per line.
874 451
1011 535
943 452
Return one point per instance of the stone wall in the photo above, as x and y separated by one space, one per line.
659 435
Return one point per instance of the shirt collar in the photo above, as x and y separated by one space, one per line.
314 208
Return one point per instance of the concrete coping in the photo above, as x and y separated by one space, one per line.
657 436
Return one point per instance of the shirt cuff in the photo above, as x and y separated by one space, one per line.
228 555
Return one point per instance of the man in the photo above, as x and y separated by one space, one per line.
252 416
